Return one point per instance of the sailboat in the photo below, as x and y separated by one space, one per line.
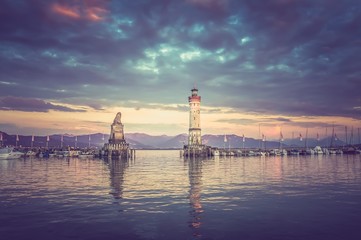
308 151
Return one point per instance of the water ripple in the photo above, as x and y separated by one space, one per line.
161 196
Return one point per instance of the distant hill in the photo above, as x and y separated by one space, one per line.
176 142
145 141
148 140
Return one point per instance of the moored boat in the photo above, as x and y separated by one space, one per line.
310 152
318 150
30 153
283 152
350 150
339 151
10 153
87 154
332 151
294 152
215 152
275 152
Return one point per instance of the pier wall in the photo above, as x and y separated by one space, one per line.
197 151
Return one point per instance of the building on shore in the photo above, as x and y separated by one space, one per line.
117 146
195 148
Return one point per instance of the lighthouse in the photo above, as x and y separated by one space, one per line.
195 148
194 137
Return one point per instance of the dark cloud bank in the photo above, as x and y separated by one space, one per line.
32 105
277 57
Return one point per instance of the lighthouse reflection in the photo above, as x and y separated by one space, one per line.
117 171
195 182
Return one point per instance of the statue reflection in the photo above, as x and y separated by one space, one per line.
195 182
117 170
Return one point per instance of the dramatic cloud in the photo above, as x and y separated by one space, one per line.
88 10
275 57
32 105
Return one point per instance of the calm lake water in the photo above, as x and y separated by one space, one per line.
162 196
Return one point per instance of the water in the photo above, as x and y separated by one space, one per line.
162 196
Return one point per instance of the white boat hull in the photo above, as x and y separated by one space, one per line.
10 153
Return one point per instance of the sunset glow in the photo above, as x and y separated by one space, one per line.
78 11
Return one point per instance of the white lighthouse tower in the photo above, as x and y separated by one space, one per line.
195 148
194 137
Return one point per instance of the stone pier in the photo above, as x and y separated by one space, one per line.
197 151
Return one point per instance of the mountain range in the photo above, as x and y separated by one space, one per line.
145 141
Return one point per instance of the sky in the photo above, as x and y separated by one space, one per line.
261 67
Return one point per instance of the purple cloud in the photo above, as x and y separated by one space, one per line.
277 56
32 105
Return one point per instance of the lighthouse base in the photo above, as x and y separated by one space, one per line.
197 151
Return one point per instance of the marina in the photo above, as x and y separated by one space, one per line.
26 152
286 151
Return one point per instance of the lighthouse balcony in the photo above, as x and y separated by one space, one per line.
194 99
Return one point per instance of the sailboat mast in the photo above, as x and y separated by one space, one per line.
259 136
224 142
229 145
265 143
351 136
281 139
332 136
243 139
